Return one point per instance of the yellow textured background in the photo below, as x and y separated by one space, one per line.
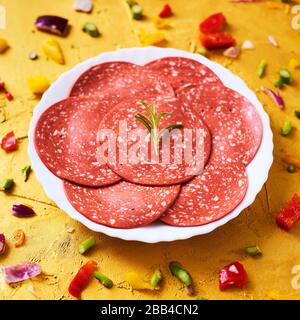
48 241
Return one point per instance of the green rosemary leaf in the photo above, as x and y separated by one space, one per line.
152 122
144 103
145 117
174 126
145 123
164 113
152 110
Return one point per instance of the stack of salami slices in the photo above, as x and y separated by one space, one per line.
132 194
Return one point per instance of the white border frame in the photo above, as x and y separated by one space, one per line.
257 170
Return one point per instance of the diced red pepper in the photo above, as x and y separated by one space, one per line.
82 279
9 142
217 40
9 96
166 12
214 23
289 214
233 275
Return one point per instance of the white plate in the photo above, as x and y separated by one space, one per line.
257 170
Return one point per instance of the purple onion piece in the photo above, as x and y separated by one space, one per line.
52 24
275 96
190 290
21 272
20 210
2 243
232 52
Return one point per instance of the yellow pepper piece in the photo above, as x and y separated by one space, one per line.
3 45
38 84
151 38
52 50
161 23
275 295
294 63
273 5
287 9
137 283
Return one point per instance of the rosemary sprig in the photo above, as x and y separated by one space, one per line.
151 122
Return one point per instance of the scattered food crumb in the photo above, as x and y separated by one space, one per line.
83 6
248 44
232 52
273 41
70 230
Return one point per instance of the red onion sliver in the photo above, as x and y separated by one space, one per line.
21 272
275 96
20 210
273 41
2 243
232 52
52 24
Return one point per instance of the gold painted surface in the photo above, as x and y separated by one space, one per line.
48 240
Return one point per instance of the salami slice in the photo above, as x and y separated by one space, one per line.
183 72
210 196
122 205
65 139
172 169
120 80
232 119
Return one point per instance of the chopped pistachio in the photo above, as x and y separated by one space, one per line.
286 128
6 184
137 12
91 29
33 55
297 113
291 168
253 251
156 278
26 172
103 279
87 244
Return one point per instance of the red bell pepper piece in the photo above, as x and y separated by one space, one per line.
8 95
82 279
289 214
166 12
9 142
233 275
214 23
217 40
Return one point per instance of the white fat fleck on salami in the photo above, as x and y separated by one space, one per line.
154 173
203 200
122 205
183 72
119 81
65 139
